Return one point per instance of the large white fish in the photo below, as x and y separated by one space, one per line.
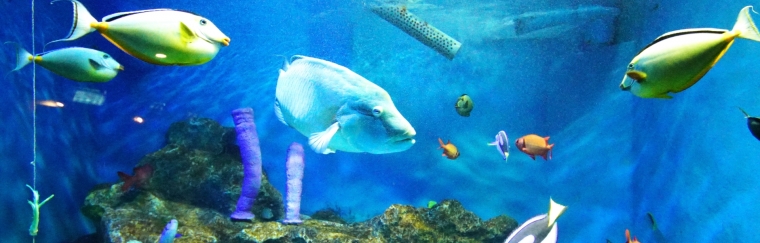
339 109
539 229
157 36
678 59
75 63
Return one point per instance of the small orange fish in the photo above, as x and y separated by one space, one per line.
628 237
533 145
449 150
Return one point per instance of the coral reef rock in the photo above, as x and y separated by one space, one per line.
197 181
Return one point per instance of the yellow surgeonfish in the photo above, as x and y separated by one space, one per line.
677 60
157 36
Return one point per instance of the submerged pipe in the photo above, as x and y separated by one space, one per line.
419 29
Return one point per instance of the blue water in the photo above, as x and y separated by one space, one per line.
690 161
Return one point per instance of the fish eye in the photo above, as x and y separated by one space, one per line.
203 22
630 66
106 56
377 110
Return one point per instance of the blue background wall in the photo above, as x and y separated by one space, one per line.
690 161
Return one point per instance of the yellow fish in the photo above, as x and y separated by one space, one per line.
677 60
75 63
157 36
464 105
449 150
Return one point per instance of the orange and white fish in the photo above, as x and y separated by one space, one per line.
156 36
449 150
533 145
628 237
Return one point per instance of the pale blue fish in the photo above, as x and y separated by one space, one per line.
339 109
170 232
502 144
75 63
157 36
539 229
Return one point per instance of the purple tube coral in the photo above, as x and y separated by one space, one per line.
294 167
248 140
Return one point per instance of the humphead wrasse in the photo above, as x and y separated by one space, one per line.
677 60
157 36
339 109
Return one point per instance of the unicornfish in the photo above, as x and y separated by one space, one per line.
677 60
337 109
539 229
157 36
75 63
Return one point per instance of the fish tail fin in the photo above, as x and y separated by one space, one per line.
82 21
555 210
128 181
23 57
746 26
551 150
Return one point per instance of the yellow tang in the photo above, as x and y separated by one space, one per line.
677 60
157 36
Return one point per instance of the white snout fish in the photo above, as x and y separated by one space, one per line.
157 36
339 109
75 63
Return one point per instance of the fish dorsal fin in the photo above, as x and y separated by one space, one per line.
296 57
555 210
319 140
278 112
675 33
187 35
528 239
115 16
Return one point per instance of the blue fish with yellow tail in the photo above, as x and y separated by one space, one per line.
75 63
677 60
157 36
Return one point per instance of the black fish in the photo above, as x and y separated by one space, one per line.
753 123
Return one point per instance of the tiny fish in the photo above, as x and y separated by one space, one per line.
753 123
502 144
539 229
170 232
677 60
533 145
464 105
449 150
139 178
75 63
156 36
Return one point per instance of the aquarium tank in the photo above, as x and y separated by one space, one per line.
379 121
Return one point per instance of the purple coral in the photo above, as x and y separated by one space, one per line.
294 167
248 141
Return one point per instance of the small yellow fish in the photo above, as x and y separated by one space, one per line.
156 36
677 60
464 105
449 150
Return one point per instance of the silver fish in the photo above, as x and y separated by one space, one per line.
339 109
539 229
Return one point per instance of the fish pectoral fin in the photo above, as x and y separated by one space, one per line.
663 96
319 141
278 112
96 65
639 76
186 34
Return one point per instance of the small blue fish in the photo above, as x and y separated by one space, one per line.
502 144
75 63
170 232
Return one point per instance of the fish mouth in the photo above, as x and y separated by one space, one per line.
226 41
406 137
